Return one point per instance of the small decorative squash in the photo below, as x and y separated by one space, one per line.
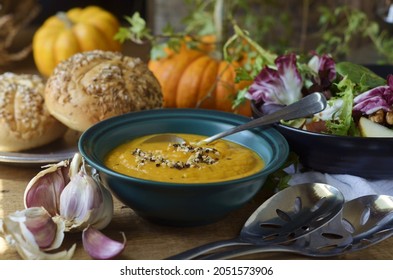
194 79
192 73
78 30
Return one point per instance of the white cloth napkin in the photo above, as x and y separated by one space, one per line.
350 186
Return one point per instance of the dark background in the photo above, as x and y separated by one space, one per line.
120 8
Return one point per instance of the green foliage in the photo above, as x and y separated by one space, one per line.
200 20
136 32
343 25
139 33
271 25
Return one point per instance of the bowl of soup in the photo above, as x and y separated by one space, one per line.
182 183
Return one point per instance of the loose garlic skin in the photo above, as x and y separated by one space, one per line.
33 232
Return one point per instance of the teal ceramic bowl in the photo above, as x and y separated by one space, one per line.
174 203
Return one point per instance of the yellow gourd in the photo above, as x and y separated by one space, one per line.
67 33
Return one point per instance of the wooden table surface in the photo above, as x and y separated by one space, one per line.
145 240
148 241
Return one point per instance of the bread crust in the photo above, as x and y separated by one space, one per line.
25 122
95 85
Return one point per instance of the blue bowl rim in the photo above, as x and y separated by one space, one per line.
274 165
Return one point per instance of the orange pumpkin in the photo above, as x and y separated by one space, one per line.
192 79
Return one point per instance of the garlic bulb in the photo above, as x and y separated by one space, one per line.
63 197
33 232
74 192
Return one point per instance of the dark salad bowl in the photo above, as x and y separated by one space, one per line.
370 158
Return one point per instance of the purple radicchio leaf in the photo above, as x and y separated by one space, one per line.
282 86
375 99
325 67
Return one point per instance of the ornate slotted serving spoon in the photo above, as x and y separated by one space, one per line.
364 221
287 215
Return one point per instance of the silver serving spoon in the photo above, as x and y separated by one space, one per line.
364 221
287 215
309 105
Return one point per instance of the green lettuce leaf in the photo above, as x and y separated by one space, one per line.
360 75
343 122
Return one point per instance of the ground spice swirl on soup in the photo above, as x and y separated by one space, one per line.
198 155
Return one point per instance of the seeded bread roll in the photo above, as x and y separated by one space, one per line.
25 122
93 86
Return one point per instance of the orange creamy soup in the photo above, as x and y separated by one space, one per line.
184 163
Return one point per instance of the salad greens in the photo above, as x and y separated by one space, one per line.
360 75
378 98
352 91
342 120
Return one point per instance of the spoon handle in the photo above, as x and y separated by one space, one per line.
206 248
309 105
254 249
